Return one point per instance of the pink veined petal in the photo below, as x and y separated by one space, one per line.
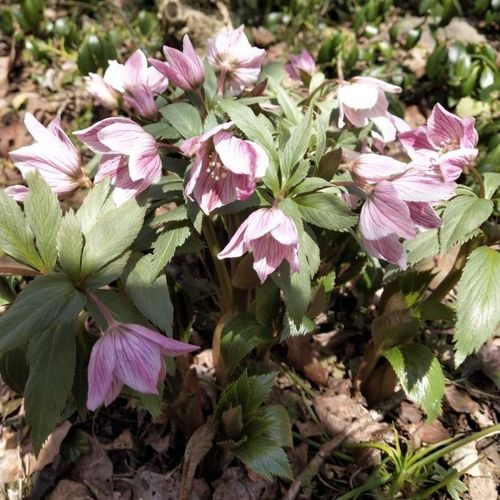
191 146
417 186
385 129
145 165
138 361
197 68
17 192
373 168
268 255
384 213
400 124
101 372
263 221
102 91
194 174
470 137
388 248
141 99
239 156
90 135
122 137
109 166
452 163
157 82
444 127
236 246
114 392
293 258
286 233
135 73
167 345
384 86
416 140
115 75
37 130
424 215
55 128
358 96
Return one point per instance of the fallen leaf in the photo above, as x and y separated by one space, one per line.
429 433
10 461
409 413
309 428
198 445
302 357
149 485
236 484
460 401
463 457
124 441
67 489
483 486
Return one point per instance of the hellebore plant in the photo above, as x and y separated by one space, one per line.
239 205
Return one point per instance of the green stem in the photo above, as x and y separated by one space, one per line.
225 286
369 485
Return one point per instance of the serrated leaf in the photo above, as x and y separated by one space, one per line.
420 375
394 327
325 210
288 106
296 146
165 246
264 457
96 203
240 336
70 245
109 237
425 245
16 238
478 302
279 427
491 184
462 216
267 303
110 272
184 117
44 300
43 214
52 360
150 294
162 131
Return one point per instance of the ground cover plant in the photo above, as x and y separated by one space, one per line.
257 259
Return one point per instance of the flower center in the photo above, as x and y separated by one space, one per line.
215 167
450 145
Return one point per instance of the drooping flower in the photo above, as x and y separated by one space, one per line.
52 155
225 168
399 204
271 236
130 156
184 69
301 63
236 61
447 141
363 99
128 354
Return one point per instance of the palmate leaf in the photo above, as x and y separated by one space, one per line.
420 375
478 302
70 245
52 360
46 299
425 245
165 247
43 214
184 117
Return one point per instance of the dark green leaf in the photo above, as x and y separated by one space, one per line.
162 131
425 245
109 273
70 245
296 146
165 246
421 376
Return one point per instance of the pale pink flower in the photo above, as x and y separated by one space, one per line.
104 93
52 155
271 236
447 141
128 354
237 62
225 168
299 64
184 69
17 192
130 156
363 99
141 84
399 204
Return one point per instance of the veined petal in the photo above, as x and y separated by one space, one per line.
135 72
268 254
418 186
122 137
358 95
444 127
375 82
236 246
424 215
373 168
101 372
263 221
388 248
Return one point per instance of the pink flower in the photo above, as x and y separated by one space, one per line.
128 354
271 236
103 92
184 69
17 192
225 168
362 100
141 84
399 204
447 141
299 64
52 155
130 157
238 63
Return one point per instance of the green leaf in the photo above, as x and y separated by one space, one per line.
264 457
420 375
288 106
43 214
150 294
325 210
52 360
240 336
462 216
162 131
165 246
184 117
44 300
267 303
248 123
100 248
491 184
279 427
425 245
14 369
394 328
297 145
110 272
96 203
478 302
16 238
70 245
